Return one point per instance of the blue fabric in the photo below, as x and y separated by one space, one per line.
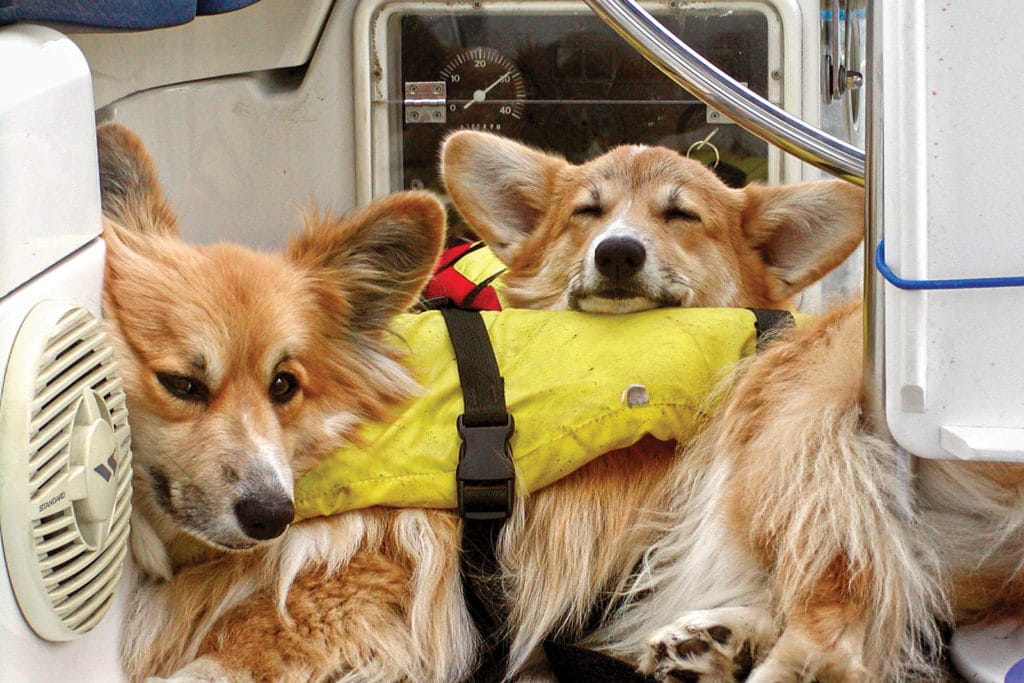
219 6
118 14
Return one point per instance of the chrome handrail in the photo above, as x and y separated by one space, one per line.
719 91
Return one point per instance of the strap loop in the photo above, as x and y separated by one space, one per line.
768 324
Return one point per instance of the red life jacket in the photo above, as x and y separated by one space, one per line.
449 283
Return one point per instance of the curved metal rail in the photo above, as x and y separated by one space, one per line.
717 90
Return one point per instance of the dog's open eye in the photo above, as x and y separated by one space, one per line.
588 210
184 388
283 387
675 213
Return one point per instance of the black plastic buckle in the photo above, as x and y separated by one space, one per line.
485 477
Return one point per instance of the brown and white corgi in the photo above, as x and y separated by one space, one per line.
860 560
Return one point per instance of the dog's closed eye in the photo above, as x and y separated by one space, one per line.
183 387
588 209
678 213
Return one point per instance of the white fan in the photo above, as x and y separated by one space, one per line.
65 470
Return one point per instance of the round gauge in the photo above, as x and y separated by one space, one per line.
486 91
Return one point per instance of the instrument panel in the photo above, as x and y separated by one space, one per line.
563 81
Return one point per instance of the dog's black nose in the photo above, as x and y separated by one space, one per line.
264 517
619 258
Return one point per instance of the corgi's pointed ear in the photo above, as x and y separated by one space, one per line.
802 231
119 257
138 269
130 190
120 241
127 252
499 186
373 264
132 255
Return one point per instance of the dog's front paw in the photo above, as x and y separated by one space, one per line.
709 646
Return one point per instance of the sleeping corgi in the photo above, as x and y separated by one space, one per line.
643 227
786 485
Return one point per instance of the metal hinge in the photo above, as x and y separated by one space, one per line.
424 101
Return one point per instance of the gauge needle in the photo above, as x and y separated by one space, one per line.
481 95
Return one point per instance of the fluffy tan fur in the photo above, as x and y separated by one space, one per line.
803 489
859 575
644 539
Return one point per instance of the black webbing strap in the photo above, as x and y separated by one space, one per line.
480 286
486 485
483 389
768 323
575 664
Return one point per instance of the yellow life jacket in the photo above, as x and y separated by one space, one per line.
577 384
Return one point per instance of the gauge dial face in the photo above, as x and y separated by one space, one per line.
486 91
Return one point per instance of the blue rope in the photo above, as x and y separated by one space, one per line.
958 283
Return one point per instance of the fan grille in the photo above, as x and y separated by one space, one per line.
78 578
